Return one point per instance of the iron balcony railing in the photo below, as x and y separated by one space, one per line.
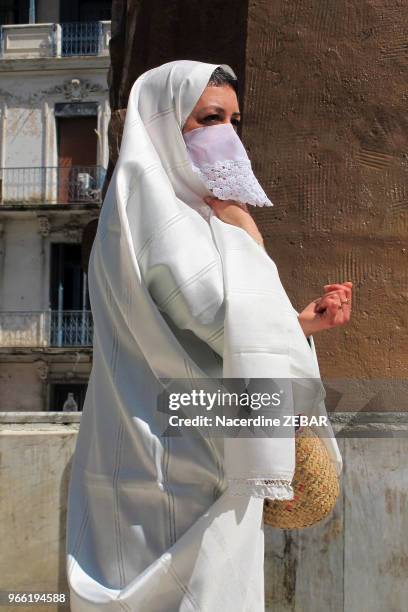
46 328
81 38
53 184
87 38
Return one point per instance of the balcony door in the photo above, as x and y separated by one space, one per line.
77 156
14 12
85 10
67 277
71 323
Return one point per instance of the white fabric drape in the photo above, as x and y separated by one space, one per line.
157 523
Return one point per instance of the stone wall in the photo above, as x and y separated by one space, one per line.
326 125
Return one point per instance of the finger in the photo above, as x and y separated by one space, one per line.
340 313
347 286
212 201
348 283
340 295
333 286
335 311
331 309
218 206
345 293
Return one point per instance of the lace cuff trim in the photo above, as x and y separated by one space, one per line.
233 180
258 487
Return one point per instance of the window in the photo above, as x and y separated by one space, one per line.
60 394
13 12
85 10
71 317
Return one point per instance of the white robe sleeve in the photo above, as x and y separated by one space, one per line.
193 298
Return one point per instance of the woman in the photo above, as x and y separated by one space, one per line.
180 290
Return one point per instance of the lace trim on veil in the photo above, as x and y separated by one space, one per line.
233 180
258 487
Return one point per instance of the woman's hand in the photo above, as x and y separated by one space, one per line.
237 214
330 310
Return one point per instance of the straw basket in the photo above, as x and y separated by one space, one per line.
315 485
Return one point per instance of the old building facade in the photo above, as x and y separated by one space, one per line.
54 114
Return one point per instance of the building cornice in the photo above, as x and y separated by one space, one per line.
32 210
30 354
100 63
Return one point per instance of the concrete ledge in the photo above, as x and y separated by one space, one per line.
345 424
40 417
369 424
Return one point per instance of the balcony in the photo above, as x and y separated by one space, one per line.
51 185
39 40
46 328
81 38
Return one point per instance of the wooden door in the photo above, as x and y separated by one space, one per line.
77 154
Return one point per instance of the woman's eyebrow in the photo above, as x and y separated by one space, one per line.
219 109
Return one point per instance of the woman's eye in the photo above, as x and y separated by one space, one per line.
218 118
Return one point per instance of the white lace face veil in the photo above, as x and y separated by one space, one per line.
218 156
